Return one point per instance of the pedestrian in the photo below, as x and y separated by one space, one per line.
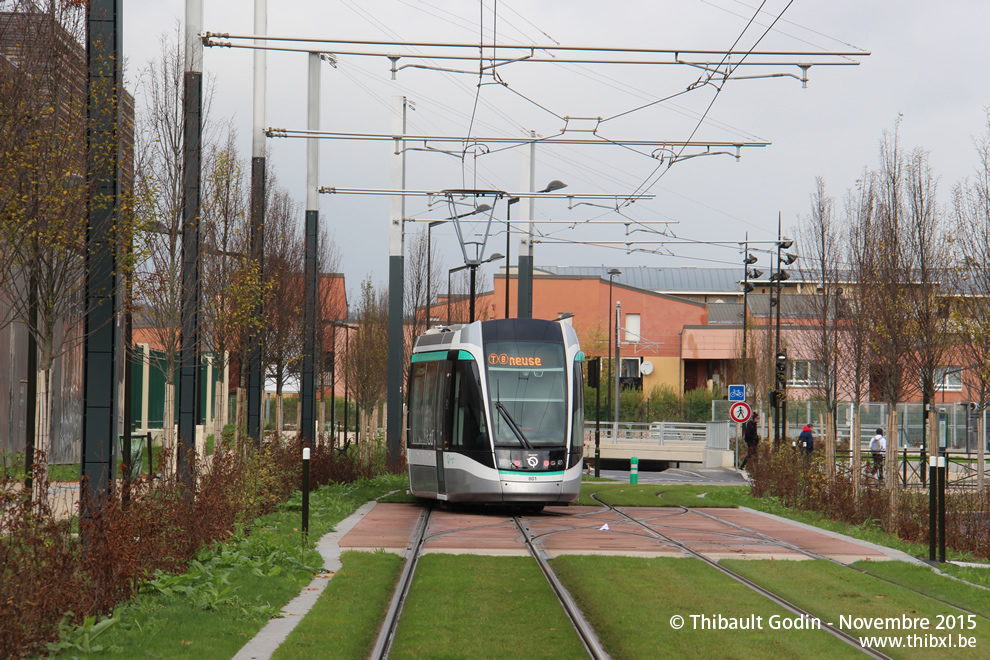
878 447
805 441
752 438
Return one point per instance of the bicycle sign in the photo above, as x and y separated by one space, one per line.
740 412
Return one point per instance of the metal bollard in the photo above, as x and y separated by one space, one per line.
634 470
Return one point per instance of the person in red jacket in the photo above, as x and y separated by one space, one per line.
806 441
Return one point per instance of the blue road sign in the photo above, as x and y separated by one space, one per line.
737 392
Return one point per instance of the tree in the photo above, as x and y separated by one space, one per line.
43 192
931 282
971 204
888 267
366 361
158 206
857 321
424 273
820 236
285 295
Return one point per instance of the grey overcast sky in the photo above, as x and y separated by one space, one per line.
926 67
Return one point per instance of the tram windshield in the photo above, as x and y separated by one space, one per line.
527 384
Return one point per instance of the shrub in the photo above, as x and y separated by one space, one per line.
52 577
799 482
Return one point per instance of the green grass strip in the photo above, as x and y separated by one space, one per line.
630 601
830 592
622 494
470 606
927 581
344 622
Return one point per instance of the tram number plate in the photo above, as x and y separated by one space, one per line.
532 478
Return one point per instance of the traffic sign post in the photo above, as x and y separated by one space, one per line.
740 412
737 392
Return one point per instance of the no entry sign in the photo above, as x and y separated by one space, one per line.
740 412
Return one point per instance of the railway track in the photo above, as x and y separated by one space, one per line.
814 555
789 606
662 527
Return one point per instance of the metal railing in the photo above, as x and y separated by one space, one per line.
715 435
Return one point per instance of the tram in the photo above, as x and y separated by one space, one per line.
496 413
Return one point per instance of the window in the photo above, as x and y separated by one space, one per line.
632 328
803 373
948 379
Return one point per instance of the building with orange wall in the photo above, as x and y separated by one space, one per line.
682 325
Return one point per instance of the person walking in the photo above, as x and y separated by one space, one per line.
806 441
752 438
878 448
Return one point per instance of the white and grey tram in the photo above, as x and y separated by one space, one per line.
496 413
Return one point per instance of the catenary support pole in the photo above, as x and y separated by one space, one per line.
307 416
618 371
104 54
255 368
396 285
524 276
187 393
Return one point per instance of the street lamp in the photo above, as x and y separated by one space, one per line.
611 274
524 274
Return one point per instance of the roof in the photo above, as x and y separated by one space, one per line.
665 280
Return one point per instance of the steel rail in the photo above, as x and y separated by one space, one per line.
815 555
584 630
413 551
791 607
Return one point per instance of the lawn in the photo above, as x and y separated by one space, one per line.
470 606
630 601
830 591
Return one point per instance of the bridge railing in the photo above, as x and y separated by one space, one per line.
714 435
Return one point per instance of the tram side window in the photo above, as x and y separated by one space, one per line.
437 414
470 430
418 393
577 416
427 410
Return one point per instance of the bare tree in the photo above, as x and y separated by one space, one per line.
284 301
972 312
158 206
820 238
367 359
888 265
926 246
855 343
424 274
230 286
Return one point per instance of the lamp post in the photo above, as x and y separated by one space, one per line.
508 235
524 275
611 274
